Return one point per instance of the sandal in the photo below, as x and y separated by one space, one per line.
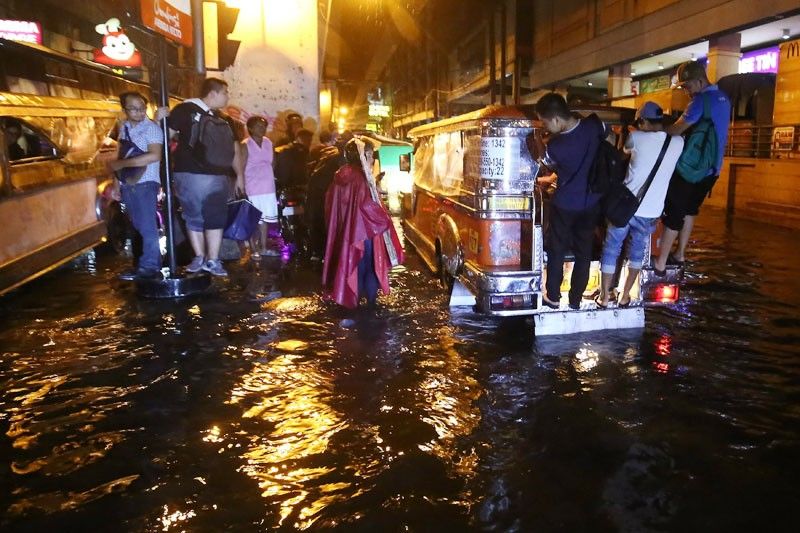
659 273
624 305
597 302
672 261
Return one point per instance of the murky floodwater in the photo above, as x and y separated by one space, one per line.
236 412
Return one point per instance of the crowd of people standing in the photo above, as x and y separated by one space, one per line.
344 219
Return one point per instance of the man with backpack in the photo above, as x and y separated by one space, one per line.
708 115
206 153
574 208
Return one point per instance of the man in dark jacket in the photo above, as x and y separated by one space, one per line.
574 209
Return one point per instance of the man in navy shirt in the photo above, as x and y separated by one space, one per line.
574 209
683 198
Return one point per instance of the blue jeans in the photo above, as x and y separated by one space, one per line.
367 279
640 229
141 201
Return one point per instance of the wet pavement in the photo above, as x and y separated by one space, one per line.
251 410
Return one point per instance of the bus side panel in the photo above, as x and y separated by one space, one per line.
35 219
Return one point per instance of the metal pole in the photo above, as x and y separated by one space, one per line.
199 43
164 102
503 53
492 65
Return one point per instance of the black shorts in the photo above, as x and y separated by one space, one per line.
684 198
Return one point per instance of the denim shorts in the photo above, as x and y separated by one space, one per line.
204 199
640 229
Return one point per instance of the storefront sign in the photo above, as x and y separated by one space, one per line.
118 50
654 84
21 30
764 60
379 110
783 138
171 18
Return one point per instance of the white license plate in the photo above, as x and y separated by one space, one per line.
292 211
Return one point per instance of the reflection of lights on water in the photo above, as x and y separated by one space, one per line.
586 359
664 345
194 310
213 435
169 519
661 368
291 396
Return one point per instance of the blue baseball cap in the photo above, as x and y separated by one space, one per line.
650 111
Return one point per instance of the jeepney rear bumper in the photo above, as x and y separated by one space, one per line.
485 285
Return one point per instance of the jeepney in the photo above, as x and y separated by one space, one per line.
476 218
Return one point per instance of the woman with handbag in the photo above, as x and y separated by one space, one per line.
259 183
634 206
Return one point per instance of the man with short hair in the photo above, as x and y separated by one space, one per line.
203 187
294 123
683 198
140 195
644 146
574 209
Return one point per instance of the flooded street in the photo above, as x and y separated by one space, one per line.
245 411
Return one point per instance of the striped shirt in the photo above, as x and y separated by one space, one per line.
143 135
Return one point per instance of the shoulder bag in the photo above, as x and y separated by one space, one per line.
620 204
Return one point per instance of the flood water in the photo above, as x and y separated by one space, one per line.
243 411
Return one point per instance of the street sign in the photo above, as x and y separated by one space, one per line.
171 18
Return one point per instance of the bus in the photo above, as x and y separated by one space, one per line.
57 118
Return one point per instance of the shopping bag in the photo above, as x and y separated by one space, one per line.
243 218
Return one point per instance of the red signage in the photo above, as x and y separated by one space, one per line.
117 50
171 18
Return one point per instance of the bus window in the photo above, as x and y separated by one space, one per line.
61 79
24 74
91 84
24 143
78 138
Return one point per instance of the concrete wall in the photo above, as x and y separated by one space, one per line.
760 189
575 37
277 66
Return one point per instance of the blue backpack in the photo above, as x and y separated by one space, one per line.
699 154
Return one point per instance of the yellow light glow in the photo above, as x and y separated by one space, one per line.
343 111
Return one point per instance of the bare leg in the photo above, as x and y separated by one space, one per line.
683 237
667 239
625 297
198 243
213 242
605 287
262 232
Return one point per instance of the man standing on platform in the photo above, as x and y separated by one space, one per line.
684 198
140 189
205 155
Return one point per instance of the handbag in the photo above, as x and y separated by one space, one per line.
620 204
243 219
127 150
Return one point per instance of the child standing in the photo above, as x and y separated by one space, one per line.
259 182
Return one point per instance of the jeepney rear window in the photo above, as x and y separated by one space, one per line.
439 163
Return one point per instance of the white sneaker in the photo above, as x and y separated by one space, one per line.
196 265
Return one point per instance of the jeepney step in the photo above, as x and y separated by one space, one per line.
568 321
461 296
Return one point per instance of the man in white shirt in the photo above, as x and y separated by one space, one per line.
644 146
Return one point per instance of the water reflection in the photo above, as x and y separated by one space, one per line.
264 407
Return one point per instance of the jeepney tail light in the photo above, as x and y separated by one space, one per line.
511 301
665 293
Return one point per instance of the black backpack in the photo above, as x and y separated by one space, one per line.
212 141
607 168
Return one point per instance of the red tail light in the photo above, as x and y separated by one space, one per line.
290 203
665 293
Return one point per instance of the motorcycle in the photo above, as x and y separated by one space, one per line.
291 216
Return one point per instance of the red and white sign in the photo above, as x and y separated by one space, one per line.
21 30
171 18
118 50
